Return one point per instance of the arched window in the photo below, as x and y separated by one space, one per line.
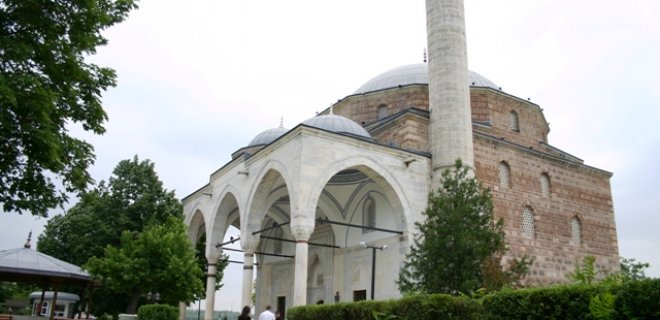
528 228
382 111
545 185
505 175
369 214
515 122
576 232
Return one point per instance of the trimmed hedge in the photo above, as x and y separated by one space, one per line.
638 300
633 300
563 302
158 312
419 307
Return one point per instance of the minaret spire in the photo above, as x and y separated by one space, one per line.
450 122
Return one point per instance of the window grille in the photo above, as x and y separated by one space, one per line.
576 232
528 223
545 185
382 111
369 214
515 122
505 175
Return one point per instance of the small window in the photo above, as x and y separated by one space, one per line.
369 214
576 232
515 122
545 185
505 175
528 228
382 111
359 295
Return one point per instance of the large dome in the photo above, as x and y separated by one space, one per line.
267 136
414 74
337 124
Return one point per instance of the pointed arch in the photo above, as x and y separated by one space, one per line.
226 208
576 231
504 174
196 226
545 184
514 121
528 223
380 176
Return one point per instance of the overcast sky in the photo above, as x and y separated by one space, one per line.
198 79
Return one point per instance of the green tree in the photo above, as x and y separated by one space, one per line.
159 259
131 200
633 270
456 239
46 86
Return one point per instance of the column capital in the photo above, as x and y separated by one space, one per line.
249 242
302 232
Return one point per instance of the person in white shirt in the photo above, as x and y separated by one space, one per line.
267 315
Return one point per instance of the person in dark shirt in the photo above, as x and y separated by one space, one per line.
245 314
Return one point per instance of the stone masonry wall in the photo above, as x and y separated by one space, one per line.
489 105
363 108
576 191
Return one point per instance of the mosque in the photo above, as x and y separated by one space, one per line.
317 203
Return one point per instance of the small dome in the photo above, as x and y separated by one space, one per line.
337 124
267 136
414 74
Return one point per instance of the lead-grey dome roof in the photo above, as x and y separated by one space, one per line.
267 136
414 74
337 124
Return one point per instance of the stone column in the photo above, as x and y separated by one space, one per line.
212 269
450 123
248 276
302 229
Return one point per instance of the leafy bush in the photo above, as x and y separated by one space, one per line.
639 300
417 307
602 306
631 300
158 312
563 302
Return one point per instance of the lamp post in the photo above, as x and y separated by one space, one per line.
373 263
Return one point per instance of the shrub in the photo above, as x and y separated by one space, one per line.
632 300
563 302
158 312
417 307
639 300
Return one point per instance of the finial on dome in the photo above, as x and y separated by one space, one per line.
282 122
28 243
424 55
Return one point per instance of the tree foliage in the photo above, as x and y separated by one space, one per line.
159 259
585 271
456 239
133 199
45 86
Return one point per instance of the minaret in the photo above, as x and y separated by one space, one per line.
450 123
